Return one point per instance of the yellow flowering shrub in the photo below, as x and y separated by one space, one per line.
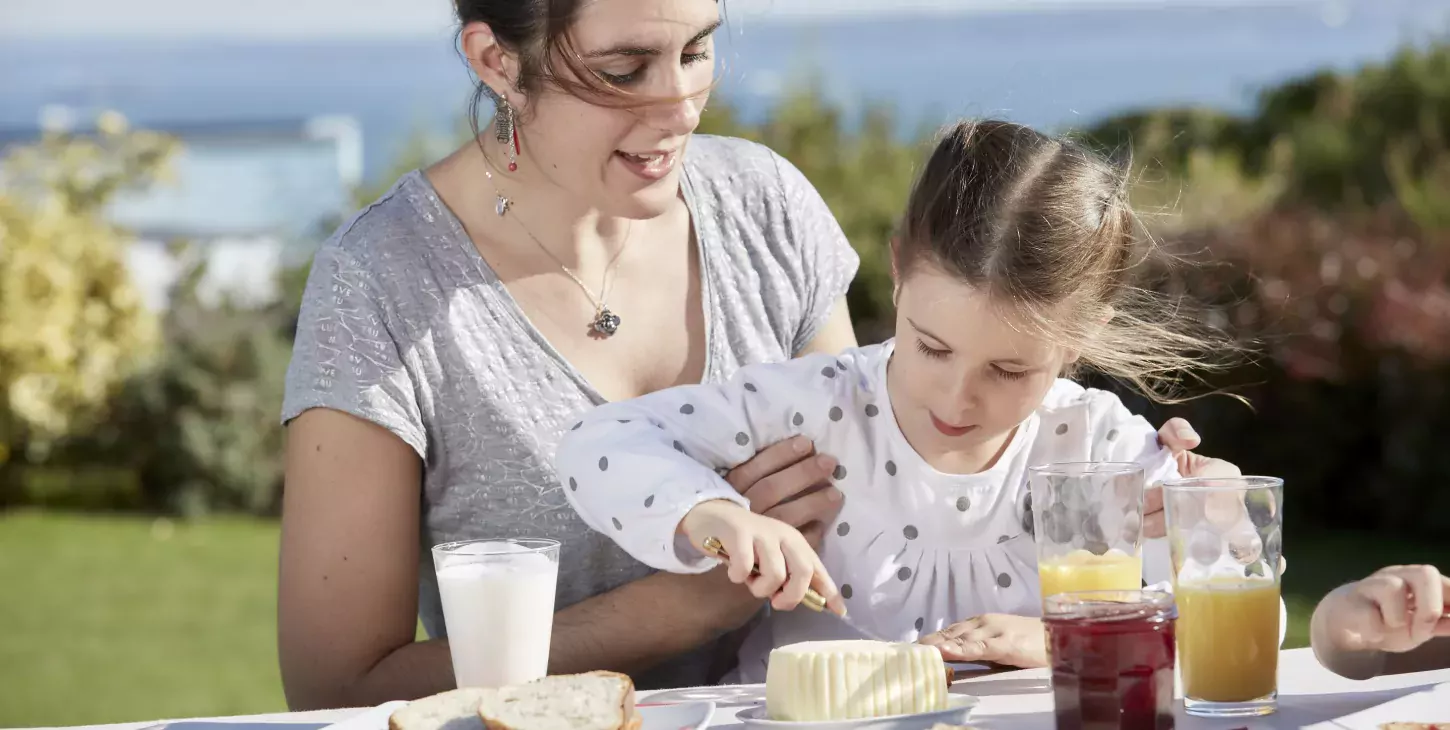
72 324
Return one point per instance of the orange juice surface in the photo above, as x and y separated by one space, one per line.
1228 639
1081 570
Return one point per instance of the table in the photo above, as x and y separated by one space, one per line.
1018 700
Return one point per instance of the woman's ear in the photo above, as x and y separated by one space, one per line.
493 64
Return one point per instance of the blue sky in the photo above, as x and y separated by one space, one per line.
315 18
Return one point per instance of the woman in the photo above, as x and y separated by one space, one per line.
585 250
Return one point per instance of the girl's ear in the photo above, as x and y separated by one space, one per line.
1109 312
895 270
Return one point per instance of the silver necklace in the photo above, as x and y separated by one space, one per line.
605 322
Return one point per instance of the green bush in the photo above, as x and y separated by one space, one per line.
196 431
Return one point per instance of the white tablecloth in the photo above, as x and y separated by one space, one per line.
1021 700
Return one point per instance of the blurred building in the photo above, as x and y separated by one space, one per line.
252 195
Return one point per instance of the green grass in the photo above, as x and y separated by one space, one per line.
110 619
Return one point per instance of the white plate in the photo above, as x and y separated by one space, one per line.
959 707
684 716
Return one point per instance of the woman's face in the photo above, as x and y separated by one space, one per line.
626 162
963 373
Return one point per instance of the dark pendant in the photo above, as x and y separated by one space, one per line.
607 323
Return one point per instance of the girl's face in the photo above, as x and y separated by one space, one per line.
626 162
963 374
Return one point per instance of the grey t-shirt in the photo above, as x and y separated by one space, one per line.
405 325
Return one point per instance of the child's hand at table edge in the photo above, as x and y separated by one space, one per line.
786 562
1019 641
1397 609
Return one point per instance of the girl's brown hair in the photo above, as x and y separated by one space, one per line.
1044 225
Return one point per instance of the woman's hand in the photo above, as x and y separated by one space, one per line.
791 482
768 556
1020 641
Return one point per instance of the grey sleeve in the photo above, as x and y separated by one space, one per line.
345 356
828 261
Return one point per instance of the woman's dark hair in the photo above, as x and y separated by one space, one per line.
537 31
1045 227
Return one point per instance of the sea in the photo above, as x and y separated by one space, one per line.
1066 67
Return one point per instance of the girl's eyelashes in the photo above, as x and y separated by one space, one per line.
997 371
932 352
1009 374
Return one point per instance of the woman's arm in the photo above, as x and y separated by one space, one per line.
836 335
347 598
348 578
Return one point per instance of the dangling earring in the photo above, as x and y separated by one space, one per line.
506 130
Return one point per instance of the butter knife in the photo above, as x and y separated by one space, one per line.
813 600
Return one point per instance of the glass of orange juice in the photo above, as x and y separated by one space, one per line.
1226 536
1087 523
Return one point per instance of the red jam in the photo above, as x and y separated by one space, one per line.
1112 659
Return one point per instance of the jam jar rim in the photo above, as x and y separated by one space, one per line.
1130 605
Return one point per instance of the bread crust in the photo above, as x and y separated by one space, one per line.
630 717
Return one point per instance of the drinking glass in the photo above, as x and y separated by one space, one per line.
1088 520
498 606
1226 536
1112 659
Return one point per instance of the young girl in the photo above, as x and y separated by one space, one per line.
1012 268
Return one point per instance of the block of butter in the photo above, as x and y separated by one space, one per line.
847 680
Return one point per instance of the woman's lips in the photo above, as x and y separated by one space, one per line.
650 165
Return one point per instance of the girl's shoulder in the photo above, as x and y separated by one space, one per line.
1066 396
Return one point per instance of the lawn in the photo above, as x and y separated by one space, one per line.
110 619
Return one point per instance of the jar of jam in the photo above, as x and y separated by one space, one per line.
1112 655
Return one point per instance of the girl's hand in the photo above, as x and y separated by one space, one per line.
1179 438
786 563
1395 610
1020 641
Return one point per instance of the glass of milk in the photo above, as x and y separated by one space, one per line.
498 606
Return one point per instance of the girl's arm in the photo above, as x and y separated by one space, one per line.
634 469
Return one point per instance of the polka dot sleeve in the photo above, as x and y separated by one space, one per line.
634 469
1118 434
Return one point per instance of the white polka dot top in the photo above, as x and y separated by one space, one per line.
913 550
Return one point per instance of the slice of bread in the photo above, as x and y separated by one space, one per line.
452 710
592 701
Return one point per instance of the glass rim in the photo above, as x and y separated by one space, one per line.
1109 605
1222 484
530 545
1083 468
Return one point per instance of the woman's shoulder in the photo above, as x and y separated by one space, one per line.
392 231
735 168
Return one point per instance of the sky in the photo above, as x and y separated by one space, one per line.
314 18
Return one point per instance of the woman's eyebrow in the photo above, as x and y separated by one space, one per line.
634 48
